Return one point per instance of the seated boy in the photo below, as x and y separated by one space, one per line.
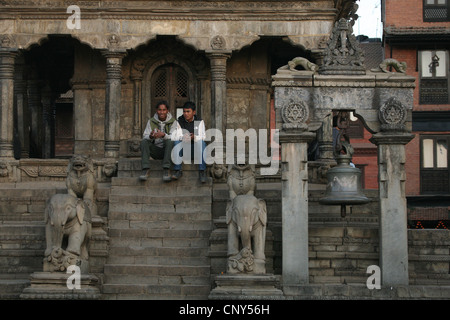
156 142
189 128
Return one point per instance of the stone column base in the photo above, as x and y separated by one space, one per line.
53 286
247 287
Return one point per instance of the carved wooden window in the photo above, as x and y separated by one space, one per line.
434 171
434 84
170 83
435 10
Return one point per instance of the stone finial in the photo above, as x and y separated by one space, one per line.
343 55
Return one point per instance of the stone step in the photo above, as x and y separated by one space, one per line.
155 270
158 260
161 199
160 251
155 187
12 288
125 207
156 292
164 213
155 181
165 224
142 234
158 235
158 280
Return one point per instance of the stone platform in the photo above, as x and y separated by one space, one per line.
247 287
53 286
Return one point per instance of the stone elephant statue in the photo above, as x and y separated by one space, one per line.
68 219
246 217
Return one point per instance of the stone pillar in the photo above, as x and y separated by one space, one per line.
113 101
218 61
21 107
294 185
393 210
35 107
325 140
7 60
391 141
294 139
47 117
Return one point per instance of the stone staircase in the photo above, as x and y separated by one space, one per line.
159 235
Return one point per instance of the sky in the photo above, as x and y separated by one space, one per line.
369 21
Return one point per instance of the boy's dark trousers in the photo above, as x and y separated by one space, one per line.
149 149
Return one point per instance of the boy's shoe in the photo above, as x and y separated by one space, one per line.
202 176
166 175
177 174
144 175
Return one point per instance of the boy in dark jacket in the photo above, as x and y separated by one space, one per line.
189 128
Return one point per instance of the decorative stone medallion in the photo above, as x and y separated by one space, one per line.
295 116
392 115
218 43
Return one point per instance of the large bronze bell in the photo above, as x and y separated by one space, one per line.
344 180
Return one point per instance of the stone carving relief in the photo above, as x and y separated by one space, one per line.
110 168
388 63
5 169
6 41
298 61
392 115
246 217
343 54
295 115
113 41
218 43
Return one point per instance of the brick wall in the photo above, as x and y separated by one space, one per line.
405 13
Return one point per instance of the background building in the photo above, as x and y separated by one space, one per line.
418 33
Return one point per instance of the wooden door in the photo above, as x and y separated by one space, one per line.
170 83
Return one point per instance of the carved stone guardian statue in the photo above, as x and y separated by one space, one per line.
68 218
246 217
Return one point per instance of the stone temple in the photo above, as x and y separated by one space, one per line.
79 81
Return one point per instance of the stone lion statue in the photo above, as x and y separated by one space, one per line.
395 64
81 182
241 179
302 62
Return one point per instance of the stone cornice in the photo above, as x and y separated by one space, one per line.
370 80
170 10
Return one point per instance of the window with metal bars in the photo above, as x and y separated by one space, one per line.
434 84
170 82
436 10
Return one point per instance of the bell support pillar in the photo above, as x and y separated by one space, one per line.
393 210
294 182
